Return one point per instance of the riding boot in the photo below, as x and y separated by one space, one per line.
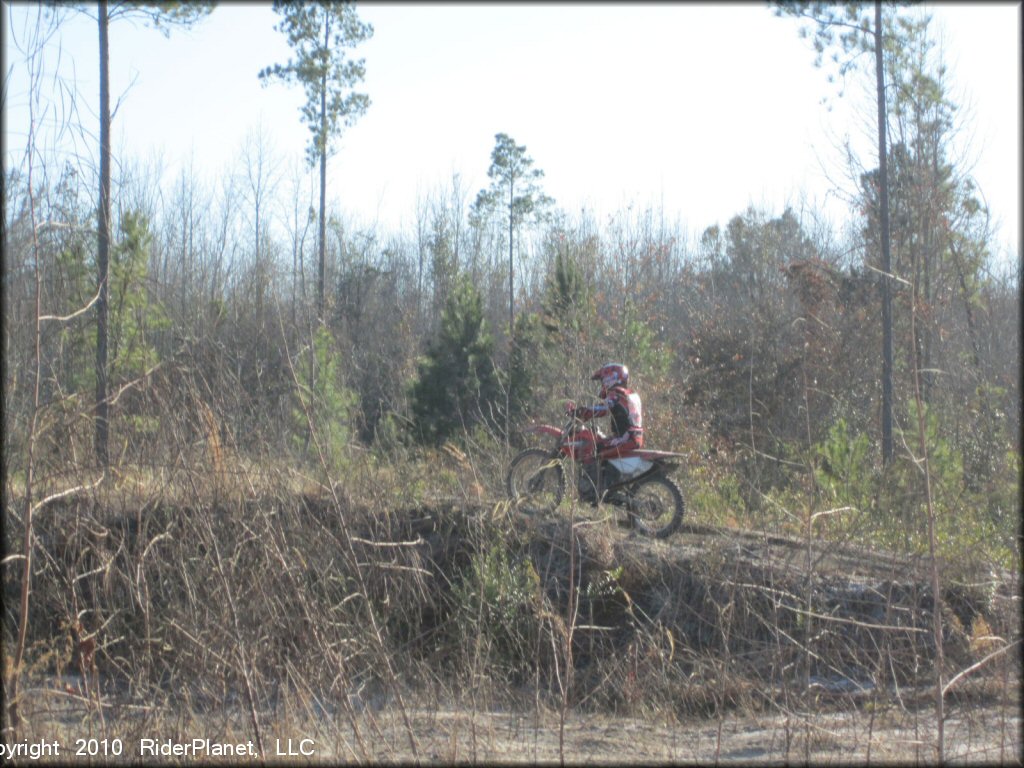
590 481
610 475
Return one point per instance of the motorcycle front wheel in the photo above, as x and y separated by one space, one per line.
536 481
656 506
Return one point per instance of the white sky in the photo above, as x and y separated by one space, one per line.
698 109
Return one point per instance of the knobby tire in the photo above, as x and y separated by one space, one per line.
655 524
536 481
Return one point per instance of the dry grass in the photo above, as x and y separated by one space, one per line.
390 615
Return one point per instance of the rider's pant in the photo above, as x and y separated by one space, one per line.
615 447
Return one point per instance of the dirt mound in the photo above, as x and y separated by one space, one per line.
308 593
840 618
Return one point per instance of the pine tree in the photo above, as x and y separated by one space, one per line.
162 16
319 33
515 190
849 30
457 387
542 342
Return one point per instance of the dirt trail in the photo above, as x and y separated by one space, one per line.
981 735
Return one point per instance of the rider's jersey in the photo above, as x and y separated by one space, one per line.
625 409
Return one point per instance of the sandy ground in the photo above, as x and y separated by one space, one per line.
975 734
982 736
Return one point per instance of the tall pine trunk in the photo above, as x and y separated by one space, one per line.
103 245
883 182
322 261
322 142
511 293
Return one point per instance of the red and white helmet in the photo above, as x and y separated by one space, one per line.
611 375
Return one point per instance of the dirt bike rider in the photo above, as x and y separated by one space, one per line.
626 411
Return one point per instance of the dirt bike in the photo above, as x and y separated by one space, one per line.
637 482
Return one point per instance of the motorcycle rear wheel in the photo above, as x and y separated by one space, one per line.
656 506
536 481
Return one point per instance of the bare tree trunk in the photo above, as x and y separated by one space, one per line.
883 183
511 305
323 182
26 570
922 460
511 295
12 683
322 236
103 245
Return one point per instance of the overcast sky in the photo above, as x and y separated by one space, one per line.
698 110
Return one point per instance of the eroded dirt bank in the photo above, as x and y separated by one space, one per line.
455 632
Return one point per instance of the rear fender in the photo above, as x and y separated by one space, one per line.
652 455
664 461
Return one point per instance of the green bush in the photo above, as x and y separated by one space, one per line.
497 601
844 469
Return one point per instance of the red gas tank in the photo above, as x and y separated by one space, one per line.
580 444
